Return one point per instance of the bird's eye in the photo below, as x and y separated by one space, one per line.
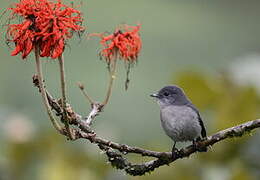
166 94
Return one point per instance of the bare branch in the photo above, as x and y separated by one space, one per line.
82 88
116 152
163 158
120 162
96 108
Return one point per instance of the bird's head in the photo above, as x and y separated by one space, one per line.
170 95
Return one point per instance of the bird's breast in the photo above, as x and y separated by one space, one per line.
180 123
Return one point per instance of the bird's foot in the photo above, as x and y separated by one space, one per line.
176 153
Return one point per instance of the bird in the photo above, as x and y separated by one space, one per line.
180 119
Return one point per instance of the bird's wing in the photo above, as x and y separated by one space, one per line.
203 129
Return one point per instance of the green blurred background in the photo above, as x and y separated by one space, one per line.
209 48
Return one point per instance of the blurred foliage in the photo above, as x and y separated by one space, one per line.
194 39
48 156
229 104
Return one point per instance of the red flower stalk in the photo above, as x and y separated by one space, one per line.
46 23
125 42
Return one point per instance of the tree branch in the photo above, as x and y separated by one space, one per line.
165 158
116 152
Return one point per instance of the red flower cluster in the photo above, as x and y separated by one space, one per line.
45 23
125 42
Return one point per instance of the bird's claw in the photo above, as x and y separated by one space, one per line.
176 153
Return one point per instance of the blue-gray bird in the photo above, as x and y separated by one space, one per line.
180 119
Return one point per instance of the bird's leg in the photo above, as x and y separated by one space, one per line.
174 150
194 144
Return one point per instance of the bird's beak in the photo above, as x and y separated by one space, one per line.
154 95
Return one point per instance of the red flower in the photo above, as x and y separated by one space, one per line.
45 23
125 42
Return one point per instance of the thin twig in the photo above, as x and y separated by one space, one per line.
111 80
64 99
42 90
82 88
96 107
